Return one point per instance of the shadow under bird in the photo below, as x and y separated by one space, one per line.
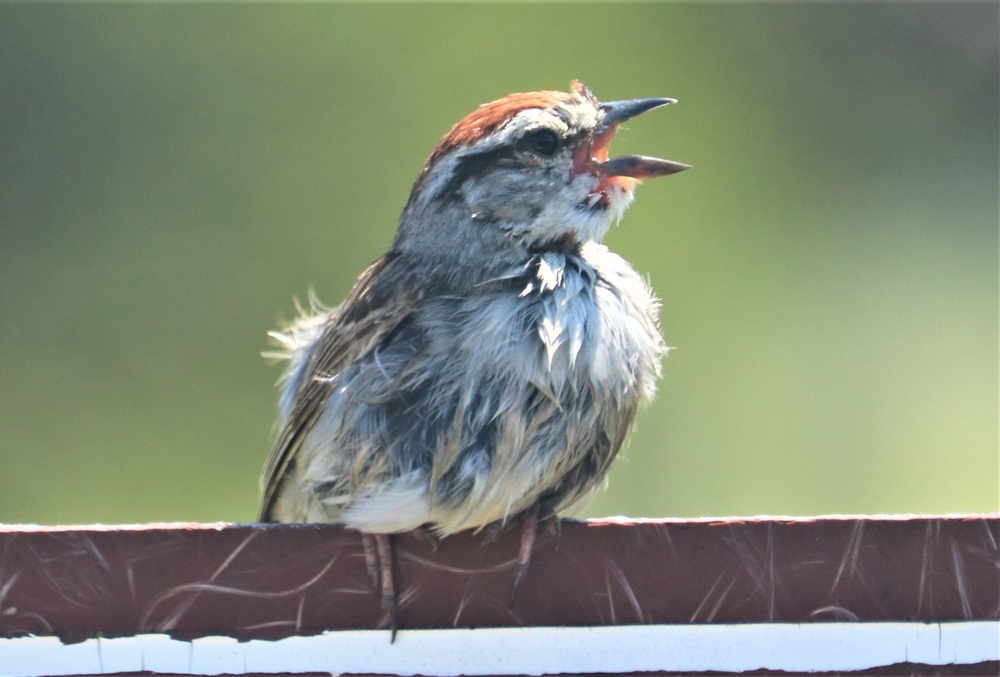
488 367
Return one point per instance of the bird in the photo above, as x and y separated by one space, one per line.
489 366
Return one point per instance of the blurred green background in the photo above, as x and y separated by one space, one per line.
171 176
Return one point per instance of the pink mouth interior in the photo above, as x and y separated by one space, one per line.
590 158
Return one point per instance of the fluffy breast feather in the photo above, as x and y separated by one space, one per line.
486 403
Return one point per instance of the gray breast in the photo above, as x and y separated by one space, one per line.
486 404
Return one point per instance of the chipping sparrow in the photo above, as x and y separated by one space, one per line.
491 363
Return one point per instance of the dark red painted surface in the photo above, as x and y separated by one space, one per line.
272 581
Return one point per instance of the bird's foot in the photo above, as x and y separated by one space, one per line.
379 562
529 532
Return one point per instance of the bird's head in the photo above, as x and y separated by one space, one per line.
527 170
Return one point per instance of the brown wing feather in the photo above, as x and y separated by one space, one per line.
379 301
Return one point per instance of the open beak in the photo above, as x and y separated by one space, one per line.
637 167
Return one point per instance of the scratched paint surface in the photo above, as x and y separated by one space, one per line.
270 582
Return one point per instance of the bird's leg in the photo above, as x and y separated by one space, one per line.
492 531
387 586
529 530
371 558
425 535
379 561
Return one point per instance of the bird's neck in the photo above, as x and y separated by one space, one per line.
453 234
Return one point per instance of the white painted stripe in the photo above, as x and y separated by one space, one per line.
530 651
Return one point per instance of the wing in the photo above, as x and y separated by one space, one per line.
380 301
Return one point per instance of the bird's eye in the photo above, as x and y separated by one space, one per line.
542 142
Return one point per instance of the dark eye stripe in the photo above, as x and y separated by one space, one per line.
539 142
477 164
